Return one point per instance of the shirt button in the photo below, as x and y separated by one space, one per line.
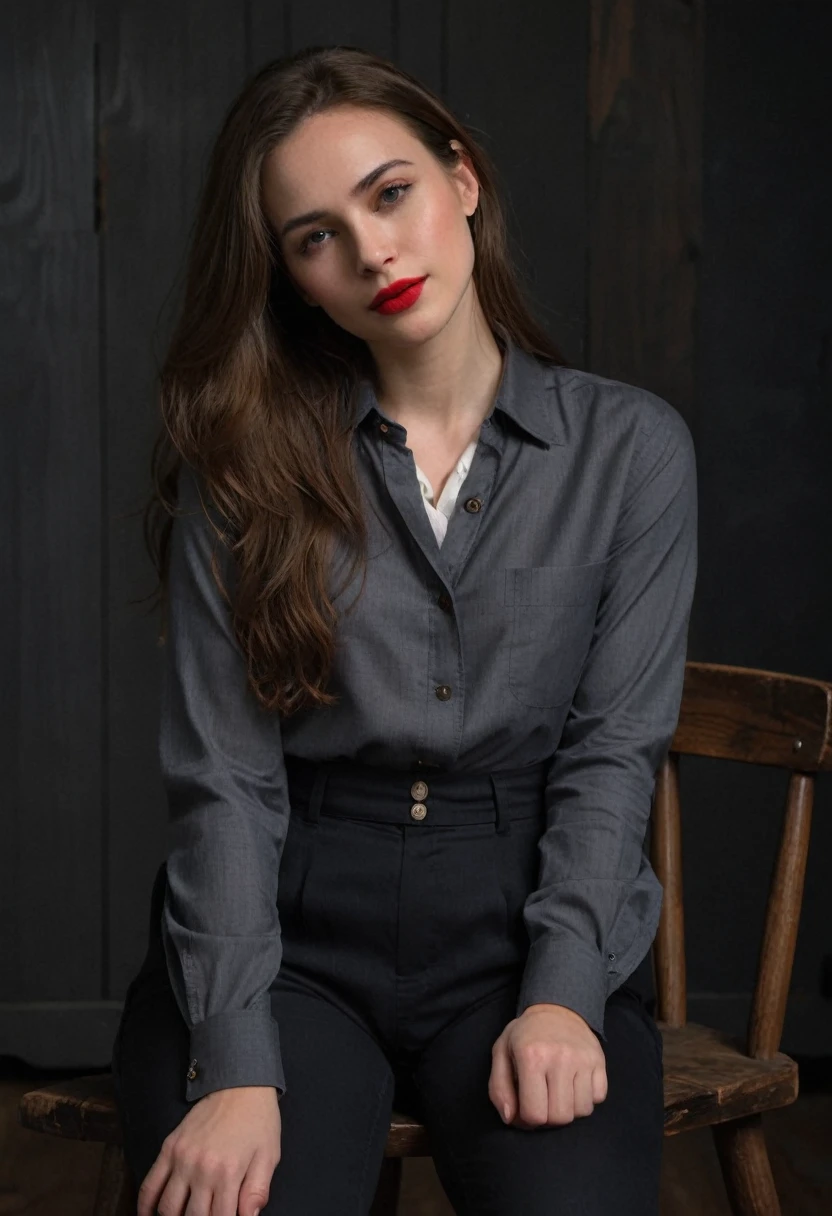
445 602
473 505
418 790
192 1071
382 426
443 692
418 810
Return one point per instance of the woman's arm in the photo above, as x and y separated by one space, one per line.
223 770
596 909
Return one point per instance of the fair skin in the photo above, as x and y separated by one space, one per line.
439 368
438 363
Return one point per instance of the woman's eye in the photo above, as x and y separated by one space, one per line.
309 242
403 186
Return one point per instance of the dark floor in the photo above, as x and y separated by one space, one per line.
43 1176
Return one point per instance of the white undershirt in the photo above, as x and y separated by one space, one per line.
440 513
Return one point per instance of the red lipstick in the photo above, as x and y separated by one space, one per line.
398 296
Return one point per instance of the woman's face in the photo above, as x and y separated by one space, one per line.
409 221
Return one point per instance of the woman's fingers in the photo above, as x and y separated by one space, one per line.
153 1184
543 1094
549 1065
254 1192
583 1102
502 1088
220 1159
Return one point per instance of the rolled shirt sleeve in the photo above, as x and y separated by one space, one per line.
595 911
223 771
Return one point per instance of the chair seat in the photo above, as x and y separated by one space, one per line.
83 1108
707 1080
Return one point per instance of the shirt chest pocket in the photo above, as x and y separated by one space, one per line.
552 616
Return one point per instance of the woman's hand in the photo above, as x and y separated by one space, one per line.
220 1159
548 1067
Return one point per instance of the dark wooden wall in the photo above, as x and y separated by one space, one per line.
763 431
662 163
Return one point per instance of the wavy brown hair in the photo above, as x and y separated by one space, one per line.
257 390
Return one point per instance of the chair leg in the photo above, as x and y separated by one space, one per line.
746 1170
386 1199
114 1196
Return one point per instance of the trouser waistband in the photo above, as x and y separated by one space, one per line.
351 790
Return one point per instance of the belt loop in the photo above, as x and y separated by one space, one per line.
313 810
503 819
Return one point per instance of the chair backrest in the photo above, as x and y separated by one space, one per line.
753 717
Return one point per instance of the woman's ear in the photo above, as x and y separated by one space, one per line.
466 179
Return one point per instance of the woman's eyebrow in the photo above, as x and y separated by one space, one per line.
309 217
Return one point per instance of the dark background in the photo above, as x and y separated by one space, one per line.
666 169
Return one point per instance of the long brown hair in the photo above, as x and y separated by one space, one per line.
257 389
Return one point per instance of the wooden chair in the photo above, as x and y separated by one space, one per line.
711 1079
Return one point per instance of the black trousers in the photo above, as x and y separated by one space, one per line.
404 945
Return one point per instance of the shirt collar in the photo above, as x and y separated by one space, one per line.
526 393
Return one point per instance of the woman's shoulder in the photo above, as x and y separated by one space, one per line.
616 404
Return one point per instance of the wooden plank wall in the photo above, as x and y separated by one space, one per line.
52 614
644 167
125 99
645 172
610 122
167 73
764 450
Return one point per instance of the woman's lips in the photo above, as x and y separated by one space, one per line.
402 300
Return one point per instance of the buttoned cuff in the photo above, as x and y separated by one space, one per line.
563 972
239 1047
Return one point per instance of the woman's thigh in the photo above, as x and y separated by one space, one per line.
599 1164
335 1114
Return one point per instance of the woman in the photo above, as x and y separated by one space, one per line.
452 919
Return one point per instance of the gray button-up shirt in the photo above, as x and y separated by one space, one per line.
551 624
